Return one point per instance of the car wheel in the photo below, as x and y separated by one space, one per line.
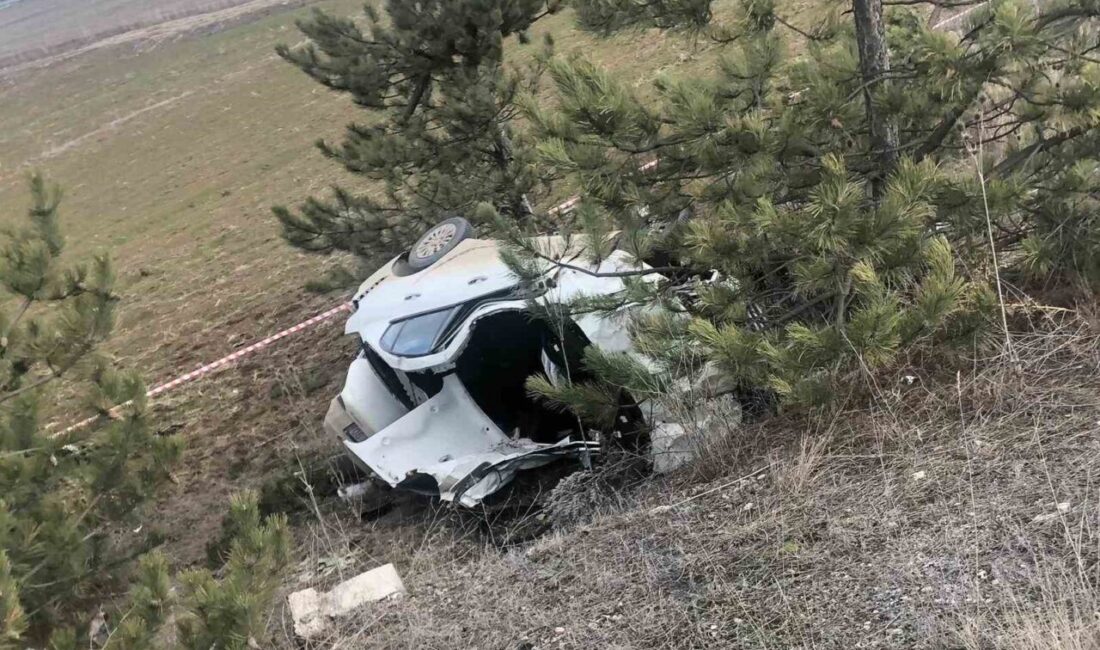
438 241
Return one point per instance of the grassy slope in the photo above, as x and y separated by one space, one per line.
172 158
926 514
180 195
34 24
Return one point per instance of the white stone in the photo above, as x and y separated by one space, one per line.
312 611
305 609
671 446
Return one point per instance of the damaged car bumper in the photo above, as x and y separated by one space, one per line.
448 447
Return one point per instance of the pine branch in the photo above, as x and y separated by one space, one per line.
41 381
1009 164
22 311
800 310
936 138
414 100
1081 10
609 274
804 34
941 4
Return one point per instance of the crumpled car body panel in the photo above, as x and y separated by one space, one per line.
410 420
449 439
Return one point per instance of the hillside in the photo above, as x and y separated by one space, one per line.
40 32
926 512
928 509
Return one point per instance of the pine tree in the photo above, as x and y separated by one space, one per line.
436 137
225 612
150 603
63 493
13 620
838 197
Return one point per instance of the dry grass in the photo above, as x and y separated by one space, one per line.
956 511
1062 613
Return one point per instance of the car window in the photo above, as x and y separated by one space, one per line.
416 336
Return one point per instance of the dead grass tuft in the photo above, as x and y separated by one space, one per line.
957 511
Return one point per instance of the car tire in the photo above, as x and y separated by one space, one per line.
438 241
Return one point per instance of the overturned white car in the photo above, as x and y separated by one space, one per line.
435 401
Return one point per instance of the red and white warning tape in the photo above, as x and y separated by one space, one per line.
229 359
222 363
247 350
571 202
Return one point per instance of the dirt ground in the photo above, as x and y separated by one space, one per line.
930 512
39 33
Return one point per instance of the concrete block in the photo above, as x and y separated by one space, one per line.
313 611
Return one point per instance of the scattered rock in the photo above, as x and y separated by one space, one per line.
98 632
312 611
671 446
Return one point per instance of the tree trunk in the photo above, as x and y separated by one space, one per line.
874 66
416 95
520 207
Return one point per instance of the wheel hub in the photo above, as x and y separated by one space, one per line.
435 241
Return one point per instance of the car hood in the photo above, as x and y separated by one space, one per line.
472 270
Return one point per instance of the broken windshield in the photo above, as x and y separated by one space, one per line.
416 336
423 334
